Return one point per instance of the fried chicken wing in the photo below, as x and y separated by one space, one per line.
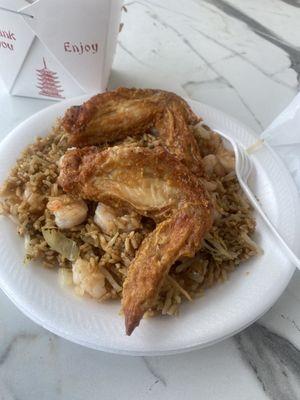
153 183
125 112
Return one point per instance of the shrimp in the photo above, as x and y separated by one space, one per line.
68 211
111 221
217 159
152 183
220 163
226 159
88 279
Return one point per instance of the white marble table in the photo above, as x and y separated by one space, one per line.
243 57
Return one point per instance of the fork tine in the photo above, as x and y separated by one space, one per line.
247 166
243 163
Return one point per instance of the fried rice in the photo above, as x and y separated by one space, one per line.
33 181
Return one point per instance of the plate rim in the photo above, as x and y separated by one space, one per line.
54 329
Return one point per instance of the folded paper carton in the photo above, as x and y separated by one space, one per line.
56 49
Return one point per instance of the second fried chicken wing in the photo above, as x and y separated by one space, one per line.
112 116
153 183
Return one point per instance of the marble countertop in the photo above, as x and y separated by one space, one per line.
242 57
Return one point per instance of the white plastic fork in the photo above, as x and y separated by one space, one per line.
243 168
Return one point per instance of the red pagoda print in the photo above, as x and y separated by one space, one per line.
48 82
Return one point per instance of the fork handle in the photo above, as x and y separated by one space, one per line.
288 251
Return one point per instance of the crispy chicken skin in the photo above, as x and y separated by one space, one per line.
153 183
113 116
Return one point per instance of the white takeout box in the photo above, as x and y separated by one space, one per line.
58 49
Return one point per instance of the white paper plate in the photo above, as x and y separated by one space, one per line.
223 311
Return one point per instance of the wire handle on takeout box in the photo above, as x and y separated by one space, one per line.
16 12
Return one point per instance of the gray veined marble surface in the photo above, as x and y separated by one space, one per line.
242 56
